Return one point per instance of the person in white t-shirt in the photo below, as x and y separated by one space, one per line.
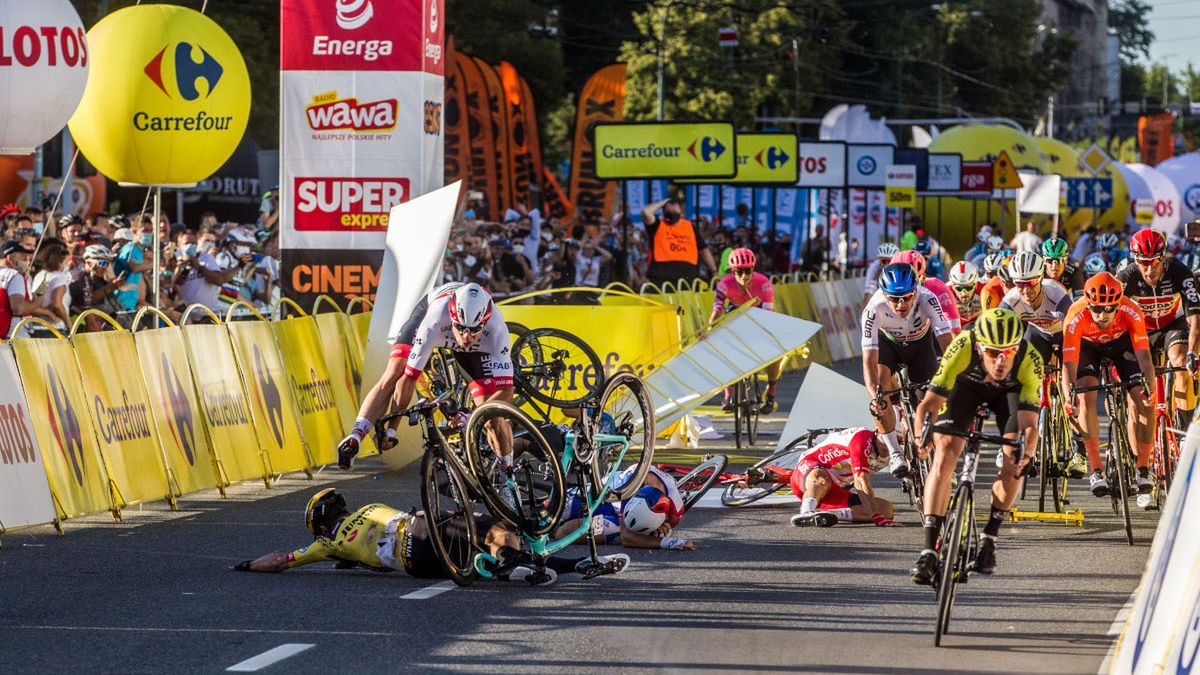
17 302
53 281
198 273
1028 240
588 262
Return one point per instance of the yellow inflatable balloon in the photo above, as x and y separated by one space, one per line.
956 223
168 97
1064 161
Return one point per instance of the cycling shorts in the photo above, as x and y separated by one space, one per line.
1046 345
421 558
1175 333
837 497
576 509
1119 352
920 355
474 364
958 414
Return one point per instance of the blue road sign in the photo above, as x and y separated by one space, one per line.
1088 193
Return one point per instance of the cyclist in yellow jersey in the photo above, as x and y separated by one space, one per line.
385 539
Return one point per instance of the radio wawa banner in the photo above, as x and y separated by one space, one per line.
361 108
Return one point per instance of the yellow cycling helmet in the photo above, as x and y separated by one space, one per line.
322 508
998 328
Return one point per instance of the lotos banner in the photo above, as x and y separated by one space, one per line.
74 465
272 406
226 414
120 412
343 357
602 100
24 493
312 387
175 408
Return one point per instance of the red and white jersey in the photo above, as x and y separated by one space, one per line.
841 455
730 292
925 314
1048 318
435 331
947 300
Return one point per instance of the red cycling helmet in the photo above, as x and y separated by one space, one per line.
913 258
1148 243
9 209
741 258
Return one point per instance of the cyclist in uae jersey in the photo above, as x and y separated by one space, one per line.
964 281
740 286
1165 290
642 521
883 256
936 286
1041 303
987 365
903 324
385 539
833 481
1103 327
455 316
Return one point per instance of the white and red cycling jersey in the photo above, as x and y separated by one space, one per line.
842 455
730 293
947 300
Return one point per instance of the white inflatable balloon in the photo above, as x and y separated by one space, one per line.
1166 198
43 71
1184 172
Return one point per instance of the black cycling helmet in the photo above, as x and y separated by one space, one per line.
323 511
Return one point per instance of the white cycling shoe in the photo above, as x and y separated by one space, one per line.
898 466
1098 484
1145 502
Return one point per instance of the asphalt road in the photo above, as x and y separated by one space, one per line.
154 594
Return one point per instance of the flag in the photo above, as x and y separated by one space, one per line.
454 122
482 169
602 100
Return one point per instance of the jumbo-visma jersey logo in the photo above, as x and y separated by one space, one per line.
179 410
64 423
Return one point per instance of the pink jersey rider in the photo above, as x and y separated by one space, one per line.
730 292
946 299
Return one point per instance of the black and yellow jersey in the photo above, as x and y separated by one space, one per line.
375 536
962 364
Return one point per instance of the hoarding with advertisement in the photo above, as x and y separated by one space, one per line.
361 108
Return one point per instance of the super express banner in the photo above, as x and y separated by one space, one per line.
361 109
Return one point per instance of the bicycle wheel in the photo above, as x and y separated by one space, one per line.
697 482
739 396
558 368
955 546
1045 457
624 413
1118 456
754 394
762 479
528 495
449 517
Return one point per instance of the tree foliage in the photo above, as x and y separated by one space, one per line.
1130 19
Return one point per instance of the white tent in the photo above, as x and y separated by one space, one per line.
1184 172
1166 198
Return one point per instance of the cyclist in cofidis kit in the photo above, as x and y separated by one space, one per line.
936 286
740 286
964 281
456 316
833 481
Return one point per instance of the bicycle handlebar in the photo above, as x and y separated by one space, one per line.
423 408
1163 370
1133 382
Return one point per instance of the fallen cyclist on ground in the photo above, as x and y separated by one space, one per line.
833 481
384 539
645 520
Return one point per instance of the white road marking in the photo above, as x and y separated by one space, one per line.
712 500
1115 629
430 591
269 657
158 629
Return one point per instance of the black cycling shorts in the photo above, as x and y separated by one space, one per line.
422 560
1119 352
474 364
1175 333
920 355
958 414
1046 345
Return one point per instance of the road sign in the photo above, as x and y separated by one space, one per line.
822 164
976 179
866 164
900 186
945 172
1004 174
1094 159
665 150
1143 211
1088 193
765 159
727 36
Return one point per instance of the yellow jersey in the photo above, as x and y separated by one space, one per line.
375 536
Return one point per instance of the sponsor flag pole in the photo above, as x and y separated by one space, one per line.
157 245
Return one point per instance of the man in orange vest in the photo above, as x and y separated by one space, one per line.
676 247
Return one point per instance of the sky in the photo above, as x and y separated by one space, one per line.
1176 25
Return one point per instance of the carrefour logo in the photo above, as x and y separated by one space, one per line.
187 71
706 149
866 165
269 397
772 157
64 423
179 410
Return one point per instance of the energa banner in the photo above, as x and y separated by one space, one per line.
312 387
24 492
272 406
120 412
226 413
175 408
62 425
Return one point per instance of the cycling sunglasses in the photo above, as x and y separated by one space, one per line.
1102 309
897 299
997 352
469 331
1148 262
101 263
1026 283
743 271
964 289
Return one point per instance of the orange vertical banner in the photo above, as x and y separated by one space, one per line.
482 169
602 100
1155 139
457 144
520 158
535 140
557 203
498 110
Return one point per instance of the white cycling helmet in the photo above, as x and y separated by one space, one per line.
470 306
646 510
886 250
1094 263
992 264
963 274
97 252
995 243
1026 265
1106 241
1125 262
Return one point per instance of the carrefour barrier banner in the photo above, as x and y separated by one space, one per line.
361 124
311 385
24 492
62 425
343 358
120 412
272 406
226 413
665 150
175 408
361 323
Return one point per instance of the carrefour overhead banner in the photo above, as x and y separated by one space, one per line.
361 122
764 160
665 150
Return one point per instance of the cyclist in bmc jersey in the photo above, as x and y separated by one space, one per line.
740 286
833 481
964 281
642 521
1059 267
1041 303
386 539
883 256
457 316
936 286
1101 327
1165 290
902 324
986 365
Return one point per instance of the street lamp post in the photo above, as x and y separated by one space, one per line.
662 49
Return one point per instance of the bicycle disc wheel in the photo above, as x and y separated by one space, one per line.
530 494
624 413
954 553
558 368
764 481
449 517
697 482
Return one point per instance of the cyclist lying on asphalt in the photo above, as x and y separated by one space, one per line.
642 521
833 481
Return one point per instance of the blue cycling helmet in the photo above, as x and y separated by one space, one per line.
923 247
898 279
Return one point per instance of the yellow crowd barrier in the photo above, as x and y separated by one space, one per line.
343 356
313 388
